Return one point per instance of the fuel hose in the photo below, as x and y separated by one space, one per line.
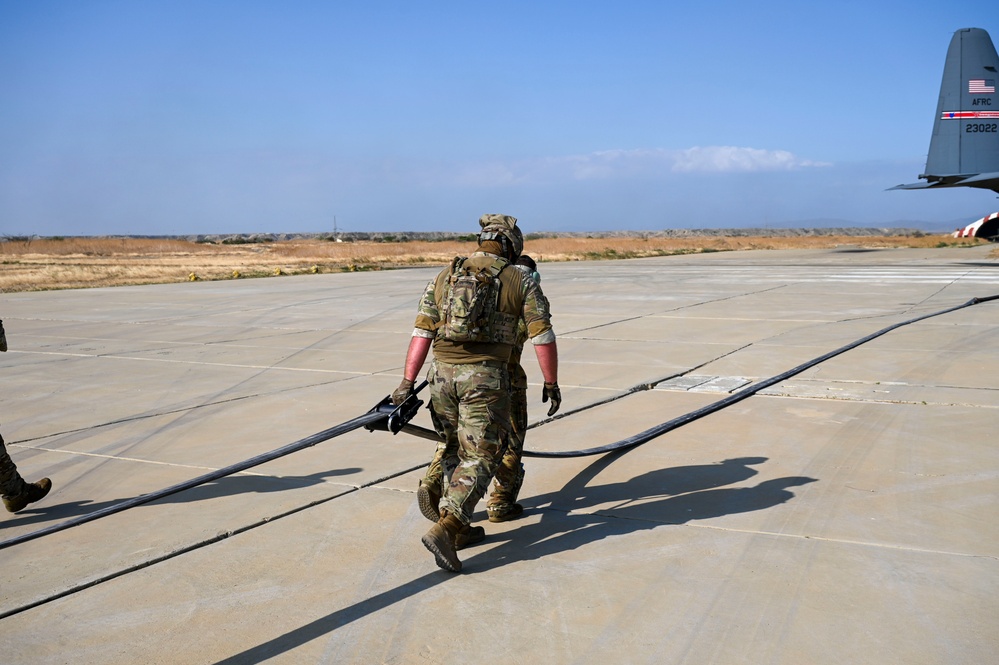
318 437
386 416
679 421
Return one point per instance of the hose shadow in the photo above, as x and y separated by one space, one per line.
225 486
233 485
679 495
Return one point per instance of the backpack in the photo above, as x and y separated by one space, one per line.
470 307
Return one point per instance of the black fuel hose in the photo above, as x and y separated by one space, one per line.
301 444
659 430
376 415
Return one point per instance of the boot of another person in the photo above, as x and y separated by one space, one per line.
32 492
468 536
504 512
428 496
440 540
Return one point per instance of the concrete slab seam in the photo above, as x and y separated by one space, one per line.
193 362
158 414
128 459
674 309
835 398
758 532
200 544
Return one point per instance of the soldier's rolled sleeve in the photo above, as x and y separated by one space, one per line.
537 314
544 338
427 315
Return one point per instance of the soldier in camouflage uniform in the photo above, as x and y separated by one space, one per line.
502 504
16 493
470 381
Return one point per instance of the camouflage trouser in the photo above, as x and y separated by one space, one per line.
509 476
472 407
510 473
11 482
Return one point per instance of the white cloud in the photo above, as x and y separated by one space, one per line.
732 159
611 164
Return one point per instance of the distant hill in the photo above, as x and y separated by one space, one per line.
436 236
923 225
812 228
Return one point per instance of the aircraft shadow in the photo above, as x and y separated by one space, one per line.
680 494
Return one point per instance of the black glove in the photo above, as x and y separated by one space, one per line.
552 392
404 390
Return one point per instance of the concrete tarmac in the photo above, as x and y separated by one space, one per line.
846 514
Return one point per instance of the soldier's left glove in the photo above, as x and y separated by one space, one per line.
404 390
551 392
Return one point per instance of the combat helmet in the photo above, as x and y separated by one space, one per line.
504 229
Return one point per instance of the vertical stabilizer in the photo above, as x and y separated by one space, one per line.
964 147
967 103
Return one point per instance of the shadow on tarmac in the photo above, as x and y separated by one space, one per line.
225 486
687 493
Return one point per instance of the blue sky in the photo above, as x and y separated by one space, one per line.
183 117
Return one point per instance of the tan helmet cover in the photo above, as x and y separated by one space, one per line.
494 226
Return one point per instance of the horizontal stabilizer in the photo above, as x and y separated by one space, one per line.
978 180
913 185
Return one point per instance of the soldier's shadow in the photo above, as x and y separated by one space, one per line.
654 499
580 514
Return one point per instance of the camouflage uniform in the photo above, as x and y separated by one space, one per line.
11 482
470 388
509 477
510 473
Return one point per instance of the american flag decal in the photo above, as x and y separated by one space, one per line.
981 86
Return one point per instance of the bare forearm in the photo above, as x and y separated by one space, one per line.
419 347
548 360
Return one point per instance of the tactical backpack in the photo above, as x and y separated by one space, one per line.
470 307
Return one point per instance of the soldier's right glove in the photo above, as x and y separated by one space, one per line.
404 390
551 392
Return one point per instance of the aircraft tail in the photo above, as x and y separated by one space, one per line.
964 147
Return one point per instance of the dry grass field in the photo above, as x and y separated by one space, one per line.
69 263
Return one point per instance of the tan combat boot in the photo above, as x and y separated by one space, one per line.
504 512
440 541
32 492
428 496
468 536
